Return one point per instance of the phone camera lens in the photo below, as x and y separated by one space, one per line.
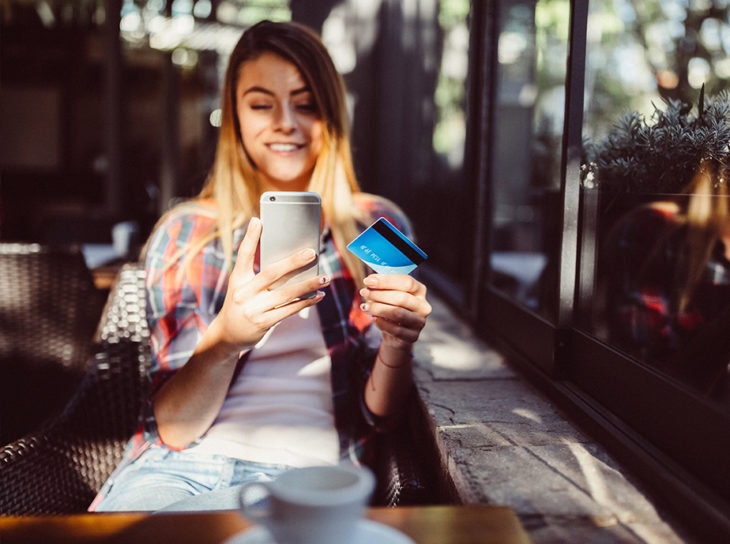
272 198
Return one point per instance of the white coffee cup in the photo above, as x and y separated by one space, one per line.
312 505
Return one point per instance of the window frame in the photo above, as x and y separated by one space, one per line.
681 458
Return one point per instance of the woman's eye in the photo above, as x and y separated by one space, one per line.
260 107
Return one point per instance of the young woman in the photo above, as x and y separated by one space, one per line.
245 387
668 283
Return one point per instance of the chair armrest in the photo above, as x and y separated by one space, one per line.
404 464
60 468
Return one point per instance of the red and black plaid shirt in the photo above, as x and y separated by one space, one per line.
180 308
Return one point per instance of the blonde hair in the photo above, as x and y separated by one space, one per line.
705 217
699 216
233 183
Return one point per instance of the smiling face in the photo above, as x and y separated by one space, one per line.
280 125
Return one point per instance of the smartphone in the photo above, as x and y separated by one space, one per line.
291 222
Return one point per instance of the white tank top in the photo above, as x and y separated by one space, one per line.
279 409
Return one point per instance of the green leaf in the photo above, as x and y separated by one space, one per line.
701 106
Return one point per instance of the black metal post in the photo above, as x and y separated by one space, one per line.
170 151
113 107
482 91
570 162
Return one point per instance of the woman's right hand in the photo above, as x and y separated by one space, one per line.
250 307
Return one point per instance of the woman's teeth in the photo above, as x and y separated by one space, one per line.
282 147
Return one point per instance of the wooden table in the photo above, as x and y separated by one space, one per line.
425 525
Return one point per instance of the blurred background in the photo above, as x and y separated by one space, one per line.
109 112
110 108
479 119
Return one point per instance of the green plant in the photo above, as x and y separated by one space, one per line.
661 155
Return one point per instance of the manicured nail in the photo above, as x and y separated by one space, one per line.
370 281
364 307
324 280
319 295
307 254
364 292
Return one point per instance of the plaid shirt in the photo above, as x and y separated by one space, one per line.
643 290
181 307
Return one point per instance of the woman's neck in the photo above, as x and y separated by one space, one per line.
268 184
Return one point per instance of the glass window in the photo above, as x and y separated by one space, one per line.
443 220
529 111
655 271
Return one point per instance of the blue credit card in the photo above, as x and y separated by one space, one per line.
386 250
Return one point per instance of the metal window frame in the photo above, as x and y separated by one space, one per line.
681 459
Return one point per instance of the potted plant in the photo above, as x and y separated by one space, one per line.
661 155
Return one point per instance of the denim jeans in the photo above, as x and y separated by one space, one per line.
180 480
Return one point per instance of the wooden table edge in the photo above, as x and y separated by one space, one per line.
465 524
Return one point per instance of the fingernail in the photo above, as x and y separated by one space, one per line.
364 307
319 295
324 280
364 292
370 281
307 254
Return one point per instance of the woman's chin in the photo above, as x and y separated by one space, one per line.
286 183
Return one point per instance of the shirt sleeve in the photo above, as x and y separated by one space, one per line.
180 301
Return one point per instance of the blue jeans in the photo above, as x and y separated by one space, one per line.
180 481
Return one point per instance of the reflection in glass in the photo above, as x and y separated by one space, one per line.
443 219
655 203
532 52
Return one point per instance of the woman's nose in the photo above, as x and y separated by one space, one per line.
285 119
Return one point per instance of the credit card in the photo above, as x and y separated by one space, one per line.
386 250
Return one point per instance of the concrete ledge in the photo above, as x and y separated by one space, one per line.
501 442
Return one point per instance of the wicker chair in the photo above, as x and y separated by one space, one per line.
49 309
60 468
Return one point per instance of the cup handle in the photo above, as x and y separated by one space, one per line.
255 513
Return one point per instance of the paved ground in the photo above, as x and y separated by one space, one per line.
504 443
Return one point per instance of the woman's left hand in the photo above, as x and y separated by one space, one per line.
398 305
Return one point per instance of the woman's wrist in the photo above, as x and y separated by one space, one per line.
394 357
215 341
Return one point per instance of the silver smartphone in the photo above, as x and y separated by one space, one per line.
291 222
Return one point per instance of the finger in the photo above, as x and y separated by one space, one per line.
402 333
281 268
401 299
284 294
282 312
396 282
247 249
399 316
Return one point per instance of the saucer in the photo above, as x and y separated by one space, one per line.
367 532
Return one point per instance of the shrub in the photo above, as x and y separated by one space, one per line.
661 155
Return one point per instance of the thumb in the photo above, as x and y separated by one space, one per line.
247 249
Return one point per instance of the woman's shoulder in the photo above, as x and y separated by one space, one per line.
651 217
192 211
369 208
192 216
642 228
183 224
